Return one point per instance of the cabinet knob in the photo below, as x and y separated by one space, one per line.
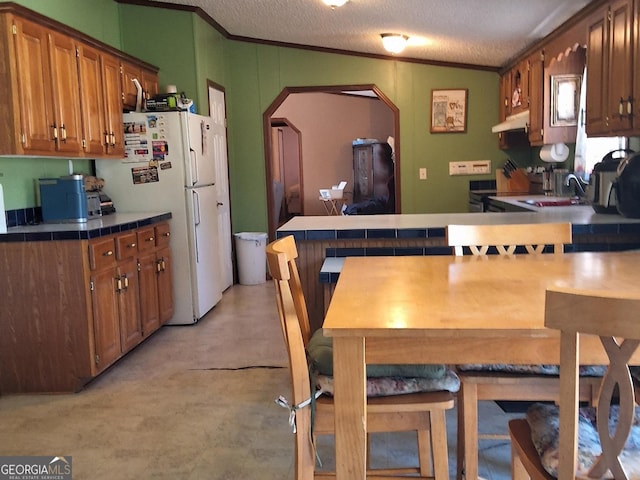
166 234
108 253
132 245
55 132
64 133
150 239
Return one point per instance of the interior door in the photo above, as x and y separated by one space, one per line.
219 139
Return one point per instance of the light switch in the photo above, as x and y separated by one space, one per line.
423 174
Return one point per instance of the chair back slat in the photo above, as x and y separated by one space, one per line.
505 238
613 318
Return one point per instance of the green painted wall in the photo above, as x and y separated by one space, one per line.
260 72
96 18
189 51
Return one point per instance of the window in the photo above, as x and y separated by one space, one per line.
596 148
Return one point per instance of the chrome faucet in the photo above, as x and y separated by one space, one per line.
579 184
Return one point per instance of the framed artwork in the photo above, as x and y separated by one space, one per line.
565 100
449 111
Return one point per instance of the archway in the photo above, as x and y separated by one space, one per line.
344 92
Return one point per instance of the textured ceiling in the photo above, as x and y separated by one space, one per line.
475 32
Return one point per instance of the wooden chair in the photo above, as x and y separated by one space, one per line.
423 413
614 318
484 384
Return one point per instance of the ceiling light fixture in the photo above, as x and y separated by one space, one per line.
394 42
335 3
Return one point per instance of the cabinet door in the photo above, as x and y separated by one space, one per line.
128 305
620 67
165 284
66 93
129 90
363 173
149 83
112 90
106 324
536 99
597 76
36 97
92 101
149 304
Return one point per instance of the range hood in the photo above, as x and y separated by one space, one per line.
519 121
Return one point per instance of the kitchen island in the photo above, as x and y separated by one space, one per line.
79 296
320 237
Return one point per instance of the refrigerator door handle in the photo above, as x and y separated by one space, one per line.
194 166
196 219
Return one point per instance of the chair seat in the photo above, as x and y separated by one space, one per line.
543 421
552 370
388 386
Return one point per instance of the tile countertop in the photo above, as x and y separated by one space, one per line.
576 215
106 225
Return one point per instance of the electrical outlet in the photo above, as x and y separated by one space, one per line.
423 174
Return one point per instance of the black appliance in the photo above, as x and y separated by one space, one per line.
600 189
627 186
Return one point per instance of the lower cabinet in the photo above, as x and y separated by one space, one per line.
128 271
72 308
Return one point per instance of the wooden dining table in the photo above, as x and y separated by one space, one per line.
451 310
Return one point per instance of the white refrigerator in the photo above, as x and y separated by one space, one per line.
169 166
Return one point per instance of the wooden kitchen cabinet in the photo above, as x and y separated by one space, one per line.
148 81
154 267
115 297
73 307
536 94
63 92
610 70
373 173
112 86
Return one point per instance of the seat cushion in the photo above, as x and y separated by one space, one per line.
544 422
320 351
585 370
386 386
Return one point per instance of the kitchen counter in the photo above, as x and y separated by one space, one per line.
105 225
322 237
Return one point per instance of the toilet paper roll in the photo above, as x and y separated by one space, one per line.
557 152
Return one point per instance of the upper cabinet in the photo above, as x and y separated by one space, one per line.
610 70
64 92
536 92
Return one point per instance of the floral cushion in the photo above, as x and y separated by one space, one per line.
585 370
385 386
544 422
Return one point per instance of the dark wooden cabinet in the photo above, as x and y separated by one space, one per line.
610 70
536 95
373 174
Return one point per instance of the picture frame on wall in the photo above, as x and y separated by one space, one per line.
449 110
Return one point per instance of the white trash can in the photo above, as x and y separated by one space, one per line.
252 258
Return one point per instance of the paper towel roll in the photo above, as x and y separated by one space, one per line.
3 216
557 152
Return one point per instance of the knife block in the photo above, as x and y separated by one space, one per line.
518 183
